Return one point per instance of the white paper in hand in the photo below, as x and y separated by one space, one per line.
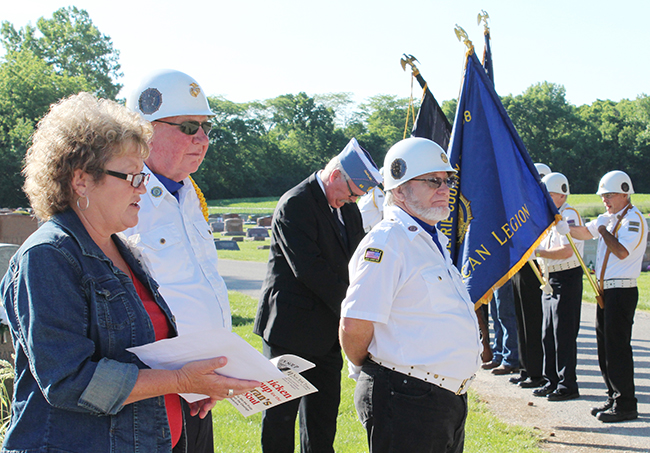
244 361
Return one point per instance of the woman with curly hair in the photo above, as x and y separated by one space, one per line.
77 298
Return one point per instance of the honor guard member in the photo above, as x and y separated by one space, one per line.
561 308
316 228
407 318
528 311
371 206
173 235
622 237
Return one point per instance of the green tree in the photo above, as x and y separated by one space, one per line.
71 44
381 121
27 88
449 109
304 130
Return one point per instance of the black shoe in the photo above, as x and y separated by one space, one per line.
607 405
544 391
532 383
614 415
517 379
563 395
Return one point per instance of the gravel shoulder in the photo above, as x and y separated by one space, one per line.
568 426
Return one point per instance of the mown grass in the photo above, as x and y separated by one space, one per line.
234 433
248 251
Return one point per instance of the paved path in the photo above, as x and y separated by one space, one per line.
243 276
567 426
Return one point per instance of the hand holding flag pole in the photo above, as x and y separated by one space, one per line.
599 295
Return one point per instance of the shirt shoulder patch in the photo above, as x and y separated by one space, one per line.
373 255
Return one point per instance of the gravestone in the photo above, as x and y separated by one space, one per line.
217 226
6 348
234 227
226 245
257 234
230 216
265 221
15 228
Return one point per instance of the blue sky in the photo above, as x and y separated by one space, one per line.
256 49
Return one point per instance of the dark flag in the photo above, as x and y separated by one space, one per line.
500 211
487 56
431 122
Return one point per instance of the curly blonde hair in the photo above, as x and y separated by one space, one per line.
79 132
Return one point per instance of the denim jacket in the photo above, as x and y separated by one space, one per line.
72 315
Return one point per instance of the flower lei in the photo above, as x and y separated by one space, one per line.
204 204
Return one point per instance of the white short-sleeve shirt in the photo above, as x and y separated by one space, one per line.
555 239
414 295
632 233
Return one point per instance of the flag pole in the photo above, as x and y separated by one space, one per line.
599 296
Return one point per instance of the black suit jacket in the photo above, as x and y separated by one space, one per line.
307 276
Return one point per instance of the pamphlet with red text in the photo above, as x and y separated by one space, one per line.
276 391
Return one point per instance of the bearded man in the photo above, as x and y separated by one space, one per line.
407 319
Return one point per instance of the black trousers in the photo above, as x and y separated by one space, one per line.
561 323
318 411
528 309
614 337
405 414
198 433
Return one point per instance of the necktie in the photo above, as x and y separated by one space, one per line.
344 234
434 236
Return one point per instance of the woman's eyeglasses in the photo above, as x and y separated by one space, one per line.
136 179
190 127
434 183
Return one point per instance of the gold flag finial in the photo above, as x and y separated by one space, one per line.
462 36
483 17
409 60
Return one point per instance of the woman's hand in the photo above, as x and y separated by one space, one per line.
200 377
195 377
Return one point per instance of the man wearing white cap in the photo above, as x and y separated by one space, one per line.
316 227
173 235
407 318
561 307
622 237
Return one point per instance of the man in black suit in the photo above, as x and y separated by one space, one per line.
316 228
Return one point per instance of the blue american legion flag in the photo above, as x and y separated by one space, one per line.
500 211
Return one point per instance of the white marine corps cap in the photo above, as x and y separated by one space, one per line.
615 182
167 92
556 182
412 157
542 169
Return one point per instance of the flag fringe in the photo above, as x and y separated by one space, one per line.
485 299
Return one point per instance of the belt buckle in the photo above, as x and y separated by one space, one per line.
464 384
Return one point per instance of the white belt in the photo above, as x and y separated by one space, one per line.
564 266
620 283
456 386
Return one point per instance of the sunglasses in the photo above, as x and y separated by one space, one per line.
434 183
352 194
190 127
136 179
